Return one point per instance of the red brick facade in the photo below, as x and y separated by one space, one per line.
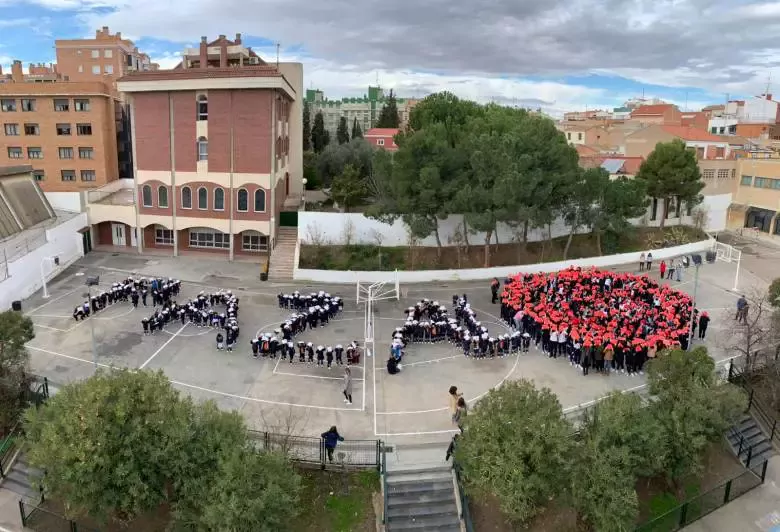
152 131
185 139
252 132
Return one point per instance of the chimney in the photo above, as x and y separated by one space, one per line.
223 57
204 52
16 72
1 70
119 35
238 38
769 96
222 37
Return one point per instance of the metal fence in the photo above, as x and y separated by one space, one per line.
465 510
312 450
37 518
697 507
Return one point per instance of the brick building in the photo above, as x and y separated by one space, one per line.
217 145
382 137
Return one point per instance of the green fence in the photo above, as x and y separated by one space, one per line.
697 507
288 219
35 517
465 510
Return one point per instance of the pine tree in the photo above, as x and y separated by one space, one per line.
388 117
319 135
357 132
342 132
306 126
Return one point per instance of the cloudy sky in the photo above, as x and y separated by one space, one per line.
557 54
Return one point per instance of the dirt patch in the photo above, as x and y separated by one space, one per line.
377 258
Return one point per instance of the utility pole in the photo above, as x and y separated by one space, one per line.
278 45
693 303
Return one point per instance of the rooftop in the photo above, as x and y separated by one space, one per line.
691 133
55 88
652 110
381 132
247 71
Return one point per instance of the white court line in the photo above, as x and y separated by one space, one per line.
278 360
314 376
50 316
373 363
364 386
68 356
422 362
265 401
420 433
50 328
142 366
49 302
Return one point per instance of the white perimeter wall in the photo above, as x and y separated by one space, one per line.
352 277
65 201
24 274
333 227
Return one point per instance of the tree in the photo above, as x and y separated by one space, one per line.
320 137
349 188
331 162
516 446
111 445
671 171
617 201
388 116
306 126
446 109
357 132
16 330
342 132
774 293
691 407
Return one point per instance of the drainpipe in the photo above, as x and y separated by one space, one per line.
140 240
274 133
173 176
230 183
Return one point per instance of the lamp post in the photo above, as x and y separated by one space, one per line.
56 261
697 264
90 282
303 193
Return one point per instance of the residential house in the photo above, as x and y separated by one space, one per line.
756 197
661 114
382 137
708 146
698 120
753 118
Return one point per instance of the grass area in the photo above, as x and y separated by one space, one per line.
371 257
337 502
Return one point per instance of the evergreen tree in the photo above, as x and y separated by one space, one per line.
357 132
388 117
306 126
319 135
342 132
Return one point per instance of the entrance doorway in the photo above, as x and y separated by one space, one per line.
86 241
118 235
134 237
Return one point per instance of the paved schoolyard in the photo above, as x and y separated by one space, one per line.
409 407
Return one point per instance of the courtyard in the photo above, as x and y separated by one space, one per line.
295 398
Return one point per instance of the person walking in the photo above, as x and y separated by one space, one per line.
642 261
453 397
679 270
330 439
670 269
649 261
460 414
494 286
662 268
347 385
741 304
704 321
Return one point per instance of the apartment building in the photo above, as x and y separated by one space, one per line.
708 146
756 196
661 114
755 118
65 129
217 145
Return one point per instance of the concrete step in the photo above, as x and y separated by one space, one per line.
415 486
424 474
420 499
756 449
443 522
426 510
757 459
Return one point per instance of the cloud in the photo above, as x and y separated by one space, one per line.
15 22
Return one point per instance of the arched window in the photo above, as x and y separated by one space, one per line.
203 149
203 107
259 200
219 199
243 200
203 198
147 195
186 198
162 197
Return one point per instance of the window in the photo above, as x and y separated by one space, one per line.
108 69
8 106
720 153
83 129
219 199
733 173
709 173
762 182
12 130
81 105
35 153
254 242
568 136
87 175
95 54
66 153
203 198
32 129
162 197
746 181
68 175
723 173
381 142
203 107
579 136
38 175
243 200
146 192
14 153
81 69
61 105
203 149
208 238
259 200
28 105
163 236
108 54
63 129
186 198
654 209
86 153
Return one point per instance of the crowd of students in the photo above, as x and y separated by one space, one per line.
201 311
131 289
598 319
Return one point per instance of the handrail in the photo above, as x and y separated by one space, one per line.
465 510
384 486
9 445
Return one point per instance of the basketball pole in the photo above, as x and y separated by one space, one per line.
736 275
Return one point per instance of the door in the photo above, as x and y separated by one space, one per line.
134 237
86 240
118 236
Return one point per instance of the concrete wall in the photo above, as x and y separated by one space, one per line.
24 274
66 201
352 277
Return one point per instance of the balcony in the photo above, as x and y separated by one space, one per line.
114 202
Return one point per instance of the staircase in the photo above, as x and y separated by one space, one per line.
283 255
422 499
22 478
749 442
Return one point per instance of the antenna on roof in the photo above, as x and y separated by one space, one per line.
768 84
277 54
377 78
686 101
